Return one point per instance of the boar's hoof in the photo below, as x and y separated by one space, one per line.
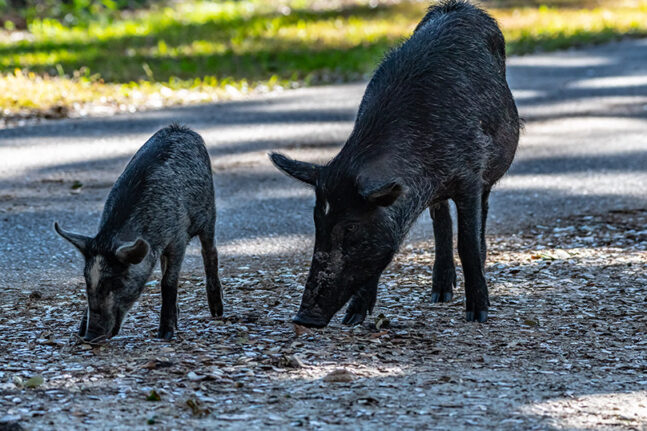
351 318
437 297
165 334
478 316
309 321
357 310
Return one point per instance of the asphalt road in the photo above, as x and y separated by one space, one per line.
584 150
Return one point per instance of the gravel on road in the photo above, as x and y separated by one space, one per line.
565 348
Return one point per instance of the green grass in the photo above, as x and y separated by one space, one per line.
16 14
238 40
202 51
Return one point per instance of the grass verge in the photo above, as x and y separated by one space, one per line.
199 51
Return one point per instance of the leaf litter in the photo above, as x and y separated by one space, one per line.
568 325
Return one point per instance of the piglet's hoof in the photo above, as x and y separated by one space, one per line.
165 334
216 309
479 316
437 297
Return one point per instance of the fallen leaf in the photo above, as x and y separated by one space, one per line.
340 375
156 363
18 381
379 334
382 322
195 377
196 408
300 330
153 396
368 401
34 382
530 322
293 361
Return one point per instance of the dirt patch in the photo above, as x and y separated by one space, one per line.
565 348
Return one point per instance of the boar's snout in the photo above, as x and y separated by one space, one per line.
99 328
311 313
93 337
99 334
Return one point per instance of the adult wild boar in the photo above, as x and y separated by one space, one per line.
437 122
164 197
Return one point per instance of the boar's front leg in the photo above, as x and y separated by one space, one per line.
361 304
171 261
469 250
444 272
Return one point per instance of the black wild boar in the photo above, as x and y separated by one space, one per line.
163 198
437 122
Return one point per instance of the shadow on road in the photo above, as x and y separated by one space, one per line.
581 152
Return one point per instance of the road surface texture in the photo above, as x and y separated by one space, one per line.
565 348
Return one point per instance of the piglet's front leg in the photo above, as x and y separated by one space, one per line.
171 263
83 327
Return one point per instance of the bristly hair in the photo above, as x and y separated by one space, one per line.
442 7
177 127
451 5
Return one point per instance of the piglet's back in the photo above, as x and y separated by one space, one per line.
165 186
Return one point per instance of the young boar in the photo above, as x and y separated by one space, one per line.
163 198
437 122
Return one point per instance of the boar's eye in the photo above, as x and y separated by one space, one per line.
351 227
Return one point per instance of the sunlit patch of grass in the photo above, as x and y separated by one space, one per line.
549 28
209 48
249 40
26 94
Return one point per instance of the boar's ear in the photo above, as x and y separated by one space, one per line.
79 241
133 252
381 193
302 171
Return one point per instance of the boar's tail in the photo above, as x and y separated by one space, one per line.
482 21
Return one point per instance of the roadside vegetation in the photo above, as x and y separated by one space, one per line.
129 58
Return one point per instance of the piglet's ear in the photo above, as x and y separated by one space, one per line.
76 239
133 252
381 193
302 171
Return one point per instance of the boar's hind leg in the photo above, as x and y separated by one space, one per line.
469 250
171 261
361 304
444 273
210 258
484 210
